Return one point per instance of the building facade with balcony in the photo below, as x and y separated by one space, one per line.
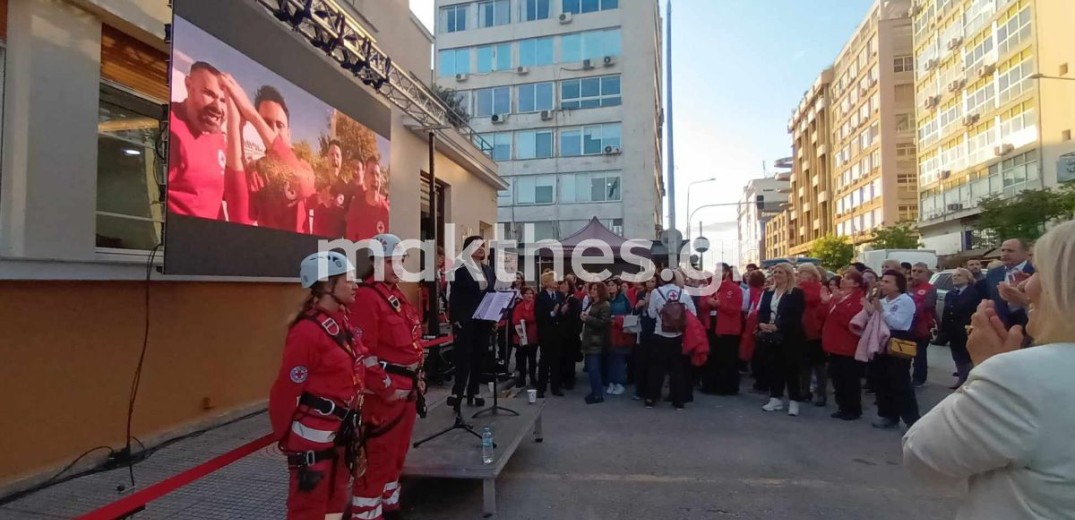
754 218
568 93
810 201
987 125
873 124
777 237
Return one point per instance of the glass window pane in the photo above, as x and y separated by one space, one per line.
611 134
503 56
543 51
567 189
502 100
485 59
591 87
571 48
613 188
543 96
462 61
571 143
590 103
609 4
543 145
613 44
526 98
591 140
610 85
589 6
597 189
571 6
570 90
524 145
593 45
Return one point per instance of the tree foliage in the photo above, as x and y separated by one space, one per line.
1026 215
903 235
457 113
834 252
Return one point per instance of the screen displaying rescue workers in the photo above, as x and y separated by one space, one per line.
260 168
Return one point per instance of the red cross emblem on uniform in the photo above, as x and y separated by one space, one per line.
921 292
380 226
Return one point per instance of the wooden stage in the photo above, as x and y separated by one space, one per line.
458 454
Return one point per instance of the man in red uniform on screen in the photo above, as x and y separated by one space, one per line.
196 156
275 189
367 214
329 204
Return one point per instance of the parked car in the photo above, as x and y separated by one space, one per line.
942 281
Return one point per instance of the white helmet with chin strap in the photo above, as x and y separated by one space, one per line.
321 266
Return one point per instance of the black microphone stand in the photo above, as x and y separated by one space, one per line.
459 424
496 408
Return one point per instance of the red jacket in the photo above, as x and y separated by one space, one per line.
836 335
695 341
391 336
811 323
314 363
746 341
524 310
925 311
728 320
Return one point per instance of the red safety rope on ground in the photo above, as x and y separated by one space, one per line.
137 501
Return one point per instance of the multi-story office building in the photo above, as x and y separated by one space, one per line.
873 124
755 214
810 208
777 237
994 115
568 92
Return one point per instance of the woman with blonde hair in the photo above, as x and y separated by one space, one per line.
1007 432
813 365
781 335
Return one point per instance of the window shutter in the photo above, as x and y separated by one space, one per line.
133 64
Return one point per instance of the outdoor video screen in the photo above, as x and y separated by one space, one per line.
259 168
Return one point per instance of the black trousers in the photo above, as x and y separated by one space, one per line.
846 374
722 367
568 359
641 359
759 367
814 368
550 365
469 352
666 357
526 362
895 395
957 341
783 371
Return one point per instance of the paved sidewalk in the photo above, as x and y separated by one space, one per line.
720 458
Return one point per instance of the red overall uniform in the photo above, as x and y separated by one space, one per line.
391 331
320 381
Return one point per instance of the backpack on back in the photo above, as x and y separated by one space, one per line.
673 314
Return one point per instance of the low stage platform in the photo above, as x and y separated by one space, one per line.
458 454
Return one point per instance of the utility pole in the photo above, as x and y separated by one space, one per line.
671 124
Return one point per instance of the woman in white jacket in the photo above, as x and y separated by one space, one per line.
1008 431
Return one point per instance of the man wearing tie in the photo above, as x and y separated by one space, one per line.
473 279
959 304
1015 253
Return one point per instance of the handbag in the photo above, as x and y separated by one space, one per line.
631 324
769 339
902 348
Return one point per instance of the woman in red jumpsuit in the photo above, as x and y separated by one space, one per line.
391 330
315 403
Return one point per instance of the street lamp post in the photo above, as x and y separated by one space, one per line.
1038 75
711 179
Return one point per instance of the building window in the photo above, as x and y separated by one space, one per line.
129 211
454 18
1012 125
591 45
541 230
589 140
494 58
535 52
589 6
1014 81
535 97
454 61
533 144
489 101
976 54
535 190
590 93
494 12
505 196
1014 32
905 123
534 10
983 99
903 64
590 187
501 143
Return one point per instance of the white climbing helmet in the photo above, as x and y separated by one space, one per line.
321 266
389 246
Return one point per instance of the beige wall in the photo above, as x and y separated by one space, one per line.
1056 37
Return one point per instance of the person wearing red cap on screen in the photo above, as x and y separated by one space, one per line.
315 403
196 158
391 329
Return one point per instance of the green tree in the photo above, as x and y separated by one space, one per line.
1026 215
903 235
457 113
833 251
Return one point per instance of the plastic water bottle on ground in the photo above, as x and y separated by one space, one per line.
487 445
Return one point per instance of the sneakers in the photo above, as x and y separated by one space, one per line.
793 408
611 390
886 424
774 405
619 389
649 404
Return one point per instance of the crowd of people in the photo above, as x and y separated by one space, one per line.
794 330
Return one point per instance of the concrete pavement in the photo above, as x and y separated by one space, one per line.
720 458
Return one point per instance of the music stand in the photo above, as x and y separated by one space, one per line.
496 408
459 424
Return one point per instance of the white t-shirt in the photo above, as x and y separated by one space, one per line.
663 295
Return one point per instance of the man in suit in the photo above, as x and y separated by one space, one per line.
1015 254
959 305
473 279
550 311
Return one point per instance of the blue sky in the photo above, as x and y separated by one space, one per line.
740 67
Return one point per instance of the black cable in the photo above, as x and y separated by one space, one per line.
55 479
136 379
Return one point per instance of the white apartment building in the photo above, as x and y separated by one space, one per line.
568 94
754 216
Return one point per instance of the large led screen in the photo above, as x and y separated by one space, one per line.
259 167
